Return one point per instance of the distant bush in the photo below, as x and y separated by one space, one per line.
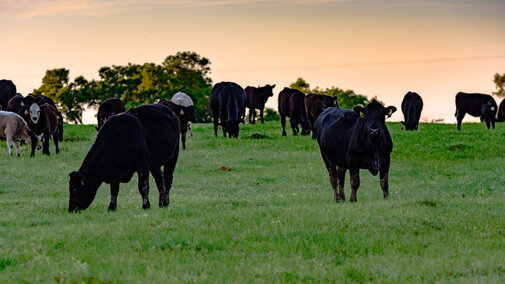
271 115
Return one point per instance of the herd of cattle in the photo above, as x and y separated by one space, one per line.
146 138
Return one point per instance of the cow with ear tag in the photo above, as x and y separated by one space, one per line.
355 139
182 105
478 105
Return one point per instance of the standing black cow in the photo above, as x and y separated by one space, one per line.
227 104
141 140
476 105
500 116
348 141
412 105
315 104
109 107
292 105
7 91
256 98
44 123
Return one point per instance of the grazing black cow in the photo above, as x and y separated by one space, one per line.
16 105
476 105
44 123
292 105
31 99
141 140
348 141
412 105
182 105
256 98
227 105
109 107
500 116
315 104
7 91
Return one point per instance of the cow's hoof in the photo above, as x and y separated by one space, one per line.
111 208
353 199
163 203
146 205
386 197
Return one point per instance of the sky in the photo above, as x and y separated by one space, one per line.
382 48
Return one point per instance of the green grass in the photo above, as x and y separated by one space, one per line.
259 208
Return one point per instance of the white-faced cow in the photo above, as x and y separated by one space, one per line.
143 139
13 128
412 105
355 140
44 123
292 105
476 105
109 107
227 105
182 105
31 99
256 98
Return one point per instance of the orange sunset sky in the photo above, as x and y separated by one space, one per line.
377 48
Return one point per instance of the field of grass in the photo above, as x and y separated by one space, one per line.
260 208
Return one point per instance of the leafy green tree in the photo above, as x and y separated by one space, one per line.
346 99
53 81
301 85
499 80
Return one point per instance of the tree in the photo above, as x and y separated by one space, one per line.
499 80
301 85
52 83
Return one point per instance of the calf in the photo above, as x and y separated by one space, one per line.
14 127
291 104
256 98
355 140
227 105
107 108
7 91
315 104
182 105
141 140
476 105
500 116
44 123
412 105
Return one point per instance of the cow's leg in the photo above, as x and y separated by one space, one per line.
294 127
253 115
492 122
56 138
183 139
384 175
15 143
250 115
9 144
283 123
45 144
261 116
341 181
459 118
168 175
143 176
114 190
158 178
354 184
216 123
488 124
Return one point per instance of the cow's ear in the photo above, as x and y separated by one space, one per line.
390 110
273 86
359 110
22 104
182 112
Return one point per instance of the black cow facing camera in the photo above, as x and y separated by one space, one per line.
355 139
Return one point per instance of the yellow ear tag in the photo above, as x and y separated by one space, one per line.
362 115
390 112
82 182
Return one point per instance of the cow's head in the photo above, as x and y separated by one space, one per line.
80 195
35 111
271 88
412 125
488 110
329 101
232 127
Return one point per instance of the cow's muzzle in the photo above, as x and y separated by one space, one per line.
374 133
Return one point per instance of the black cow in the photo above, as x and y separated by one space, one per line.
500 116
16 105
292 105
44 123
31 99
315 104
227 105
109 107
256 98
185 115
476 105
141 140
412 105
7 91
355 140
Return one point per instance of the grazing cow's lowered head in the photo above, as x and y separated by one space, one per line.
375 115
80 198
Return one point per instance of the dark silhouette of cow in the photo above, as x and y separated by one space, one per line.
476 105
183 107
138 141
7 91
292 105
315 104
31 99
355 140
256 98
500 116
412 105
44 123
227 106
107 108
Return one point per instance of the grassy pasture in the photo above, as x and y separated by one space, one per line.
259 208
